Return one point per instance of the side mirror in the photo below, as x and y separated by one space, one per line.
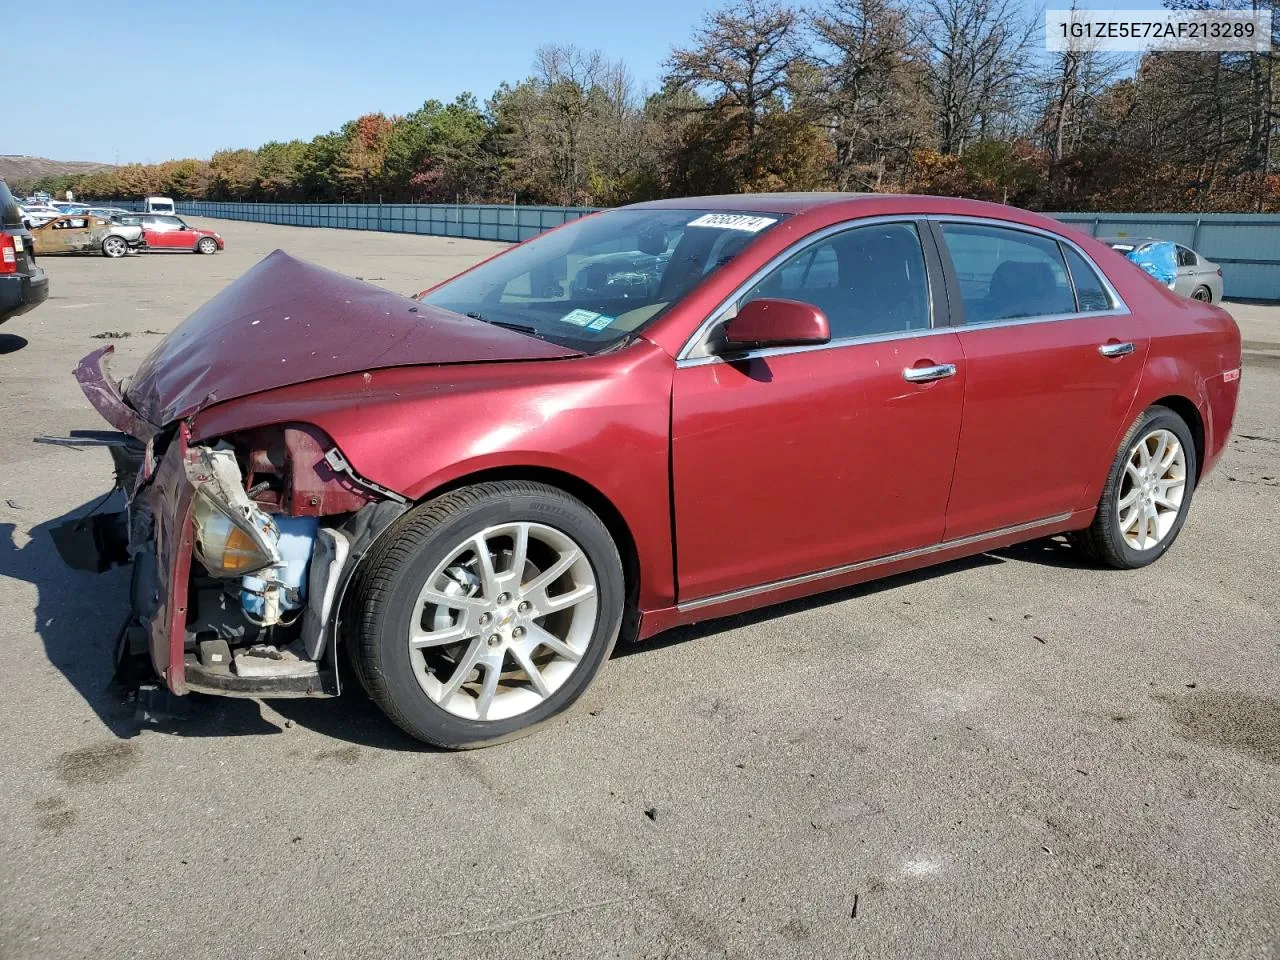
776 323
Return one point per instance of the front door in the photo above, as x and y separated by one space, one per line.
166 233
1053 365
789 461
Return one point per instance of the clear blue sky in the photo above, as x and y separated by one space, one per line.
174 78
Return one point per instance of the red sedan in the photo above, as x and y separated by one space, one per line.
651 416
165 232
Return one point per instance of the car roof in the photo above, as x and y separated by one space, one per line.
832 207
1132 240
805 202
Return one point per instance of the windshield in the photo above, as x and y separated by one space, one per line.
594 282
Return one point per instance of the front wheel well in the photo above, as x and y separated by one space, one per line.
1186 409
599 504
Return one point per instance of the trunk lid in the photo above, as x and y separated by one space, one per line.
287 321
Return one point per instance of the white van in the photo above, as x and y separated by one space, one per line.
158 205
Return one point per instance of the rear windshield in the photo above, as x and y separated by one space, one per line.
10 212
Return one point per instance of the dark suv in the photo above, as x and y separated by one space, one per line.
23 285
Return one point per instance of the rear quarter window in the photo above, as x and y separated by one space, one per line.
1091 292
10 212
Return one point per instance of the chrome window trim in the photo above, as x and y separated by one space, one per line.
731 301
684 360
772 585
1121 307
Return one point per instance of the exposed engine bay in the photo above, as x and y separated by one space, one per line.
278 522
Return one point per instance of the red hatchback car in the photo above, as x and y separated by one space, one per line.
650 416
165 232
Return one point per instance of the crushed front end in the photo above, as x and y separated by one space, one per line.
241 548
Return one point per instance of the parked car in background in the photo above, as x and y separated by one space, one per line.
130 234
158 205
23 283
78 233
769 396
34 214
1196 277
173 233
110 212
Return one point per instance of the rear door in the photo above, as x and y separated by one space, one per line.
789 461
1054 360
1188 271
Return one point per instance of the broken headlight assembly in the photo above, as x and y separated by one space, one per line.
233 535
229 543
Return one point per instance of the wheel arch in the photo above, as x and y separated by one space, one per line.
1186 408
593 497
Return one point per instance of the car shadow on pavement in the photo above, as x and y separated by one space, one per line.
11 343
1053 552
77 617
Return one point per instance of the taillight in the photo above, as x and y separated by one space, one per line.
1219 271
8 254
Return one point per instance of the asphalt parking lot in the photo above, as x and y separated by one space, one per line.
1013 755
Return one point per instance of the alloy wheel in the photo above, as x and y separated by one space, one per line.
1152 489
115 247
503 621
1201 294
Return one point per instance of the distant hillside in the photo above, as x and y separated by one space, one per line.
14 167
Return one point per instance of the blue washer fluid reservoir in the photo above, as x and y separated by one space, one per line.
297 538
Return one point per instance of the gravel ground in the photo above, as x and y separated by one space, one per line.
1012 755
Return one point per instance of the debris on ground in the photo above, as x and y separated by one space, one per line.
85 438
113 335
652 813
13 504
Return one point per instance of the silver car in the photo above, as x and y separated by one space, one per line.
126 227
1198 278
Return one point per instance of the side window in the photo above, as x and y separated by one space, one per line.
867 280
1186 258
1006 274
1090 290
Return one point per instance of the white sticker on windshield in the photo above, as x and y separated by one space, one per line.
733 221
579 318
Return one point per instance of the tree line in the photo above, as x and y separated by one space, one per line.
949 97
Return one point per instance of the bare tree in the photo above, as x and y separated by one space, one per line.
977 54
742 57
872 84
1072 84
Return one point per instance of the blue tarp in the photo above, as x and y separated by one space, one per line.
1159 258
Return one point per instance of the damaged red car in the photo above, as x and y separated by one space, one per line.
650 416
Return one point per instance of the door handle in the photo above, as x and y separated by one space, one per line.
939 371
1116 349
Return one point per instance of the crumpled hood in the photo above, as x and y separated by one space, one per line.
287 321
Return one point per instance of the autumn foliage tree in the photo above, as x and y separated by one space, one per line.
935 96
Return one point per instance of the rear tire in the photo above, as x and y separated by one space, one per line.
1144 502
505 644
1203 294
115 247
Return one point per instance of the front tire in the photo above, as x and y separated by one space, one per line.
115 247
486 612
1147 494
207 245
